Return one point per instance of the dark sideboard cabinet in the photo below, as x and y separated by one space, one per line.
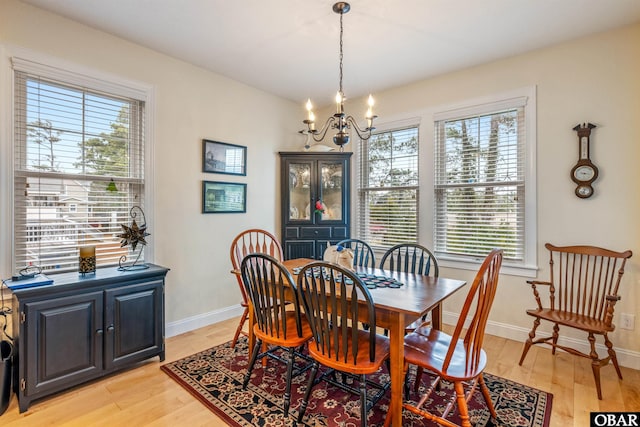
83 327
308 177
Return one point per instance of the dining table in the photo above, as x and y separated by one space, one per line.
413 296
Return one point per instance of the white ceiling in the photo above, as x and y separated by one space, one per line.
290 47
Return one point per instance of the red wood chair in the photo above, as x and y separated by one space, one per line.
457 358
583 290
267 283
329 294
247 242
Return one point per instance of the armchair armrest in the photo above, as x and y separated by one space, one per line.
611 302
536 295
538 282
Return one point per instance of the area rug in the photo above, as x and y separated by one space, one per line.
215 376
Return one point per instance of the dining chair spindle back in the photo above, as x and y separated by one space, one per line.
330 296
458 358
278 319
363 255
250 241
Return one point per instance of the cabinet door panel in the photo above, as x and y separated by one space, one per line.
64 341
332 189
299 249
134 323
299 195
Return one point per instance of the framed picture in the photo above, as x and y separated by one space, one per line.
220 157
224 197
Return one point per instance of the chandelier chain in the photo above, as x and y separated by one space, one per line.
341 31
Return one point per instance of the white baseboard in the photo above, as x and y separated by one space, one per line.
627 358
189 324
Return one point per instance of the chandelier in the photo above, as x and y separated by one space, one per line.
339 121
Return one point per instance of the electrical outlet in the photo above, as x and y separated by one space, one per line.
627 321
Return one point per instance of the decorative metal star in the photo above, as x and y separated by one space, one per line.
133 235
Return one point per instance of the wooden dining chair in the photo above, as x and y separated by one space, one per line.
412 258
329 295
583 290
272 293
250 241
457 358
416 259
363 255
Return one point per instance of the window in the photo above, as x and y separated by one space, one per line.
388 188
78 166
484 191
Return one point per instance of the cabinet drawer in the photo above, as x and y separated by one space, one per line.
340 233
315 232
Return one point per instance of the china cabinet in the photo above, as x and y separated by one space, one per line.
315 197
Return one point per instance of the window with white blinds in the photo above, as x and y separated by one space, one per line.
78 170
388 188
480 181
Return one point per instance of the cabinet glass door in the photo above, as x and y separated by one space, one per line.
331 189
300 191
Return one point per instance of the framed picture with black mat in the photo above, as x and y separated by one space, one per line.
224 197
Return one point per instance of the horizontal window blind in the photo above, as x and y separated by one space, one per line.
388 188
78 171
479 184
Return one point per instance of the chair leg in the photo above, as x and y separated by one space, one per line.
287 392
595 364
416 384
462 404
363 400
612 355
554 339
529 341
307 393
245 316
487 397
254 356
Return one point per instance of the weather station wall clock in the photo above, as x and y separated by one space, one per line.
584 172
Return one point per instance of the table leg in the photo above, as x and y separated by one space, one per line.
436 317
396 338
250 336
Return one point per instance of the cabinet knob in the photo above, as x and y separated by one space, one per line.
99 332
315 232
110 328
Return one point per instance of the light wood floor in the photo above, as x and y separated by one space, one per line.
145 396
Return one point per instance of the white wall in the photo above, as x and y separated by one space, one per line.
191 104
593 79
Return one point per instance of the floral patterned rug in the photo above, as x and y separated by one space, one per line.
215 376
